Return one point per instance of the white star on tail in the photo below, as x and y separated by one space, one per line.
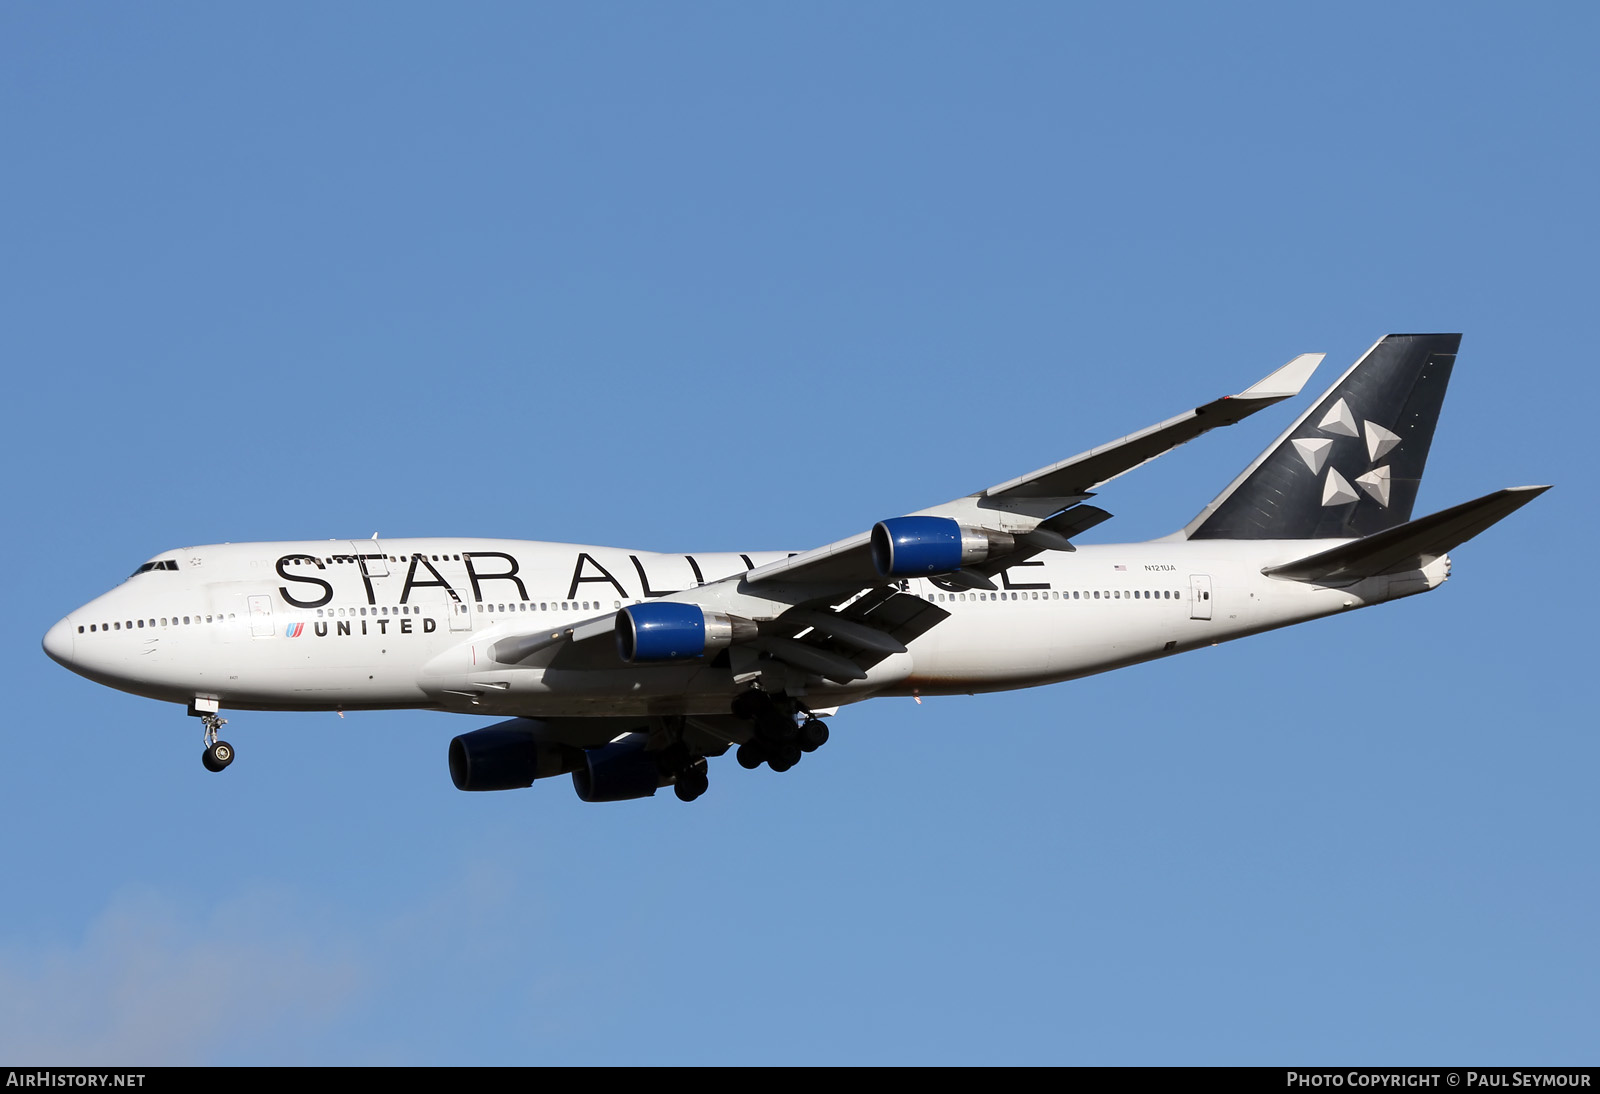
1339 420
1376 483
1314 450
1379 441
1336 491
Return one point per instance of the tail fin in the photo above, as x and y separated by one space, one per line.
1352 464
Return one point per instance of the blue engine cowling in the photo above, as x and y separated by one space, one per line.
669 631
507 756
920 546
620 771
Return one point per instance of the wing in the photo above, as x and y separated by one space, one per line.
1024 506
835 611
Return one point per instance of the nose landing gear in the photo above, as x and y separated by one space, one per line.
218 754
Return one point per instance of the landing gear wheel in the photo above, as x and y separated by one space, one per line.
777 727
692 782
750 755
784 756
218 755
813 735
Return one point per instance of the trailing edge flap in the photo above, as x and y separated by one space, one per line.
1054 534
1407 546
893 618
517 648
848 562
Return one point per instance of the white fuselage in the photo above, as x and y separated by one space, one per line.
341 625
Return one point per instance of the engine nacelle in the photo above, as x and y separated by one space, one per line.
507 756
669 631
619 771
920 546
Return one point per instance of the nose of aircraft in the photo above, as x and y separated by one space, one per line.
58 642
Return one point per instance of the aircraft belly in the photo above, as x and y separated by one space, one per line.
983 646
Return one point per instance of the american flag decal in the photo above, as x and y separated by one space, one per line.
1123 568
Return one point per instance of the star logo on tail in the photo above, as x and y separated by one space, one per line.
1341 422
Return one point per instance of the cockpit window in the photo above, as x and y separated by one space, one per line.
164 564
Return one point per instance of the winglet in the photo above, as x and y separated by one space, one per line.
1287 381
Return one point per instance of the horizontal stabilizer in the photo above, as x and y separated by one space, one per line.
1407 546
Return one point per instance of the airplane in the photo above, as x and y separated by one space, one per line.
630 669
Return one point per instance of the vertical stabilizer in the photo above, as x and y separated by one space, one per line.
1352 464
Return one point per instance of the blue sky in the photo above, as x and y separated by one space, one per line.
724 277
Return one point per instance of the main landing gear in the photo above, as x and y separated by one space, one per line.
690 777
218 754
782 731
692 780
779 739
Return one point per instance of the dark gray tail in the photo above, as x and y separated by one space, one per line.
1352 464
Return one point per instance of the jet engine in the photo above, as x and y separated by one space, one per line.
920 546
618 771
507 756
669 631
